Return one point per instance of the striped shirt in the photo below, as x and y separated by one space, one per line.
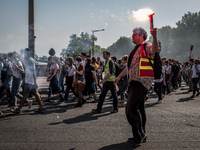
133 70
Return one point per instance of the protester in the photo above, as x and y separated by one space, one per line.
54 79
30 83
95 65
167 76
99 71
194 78
186 73
123 83
107 84
191 62
175 72
90 76
80 77
18 70
83 57
158 86
140 81
6 74
62 73
70 80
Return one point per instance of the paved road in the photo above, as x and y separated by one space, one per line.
174 124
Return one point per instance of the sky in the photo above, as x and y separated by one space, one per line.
57 20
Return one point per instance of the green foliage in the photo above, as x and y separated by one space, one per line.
176 41
123 46
80 44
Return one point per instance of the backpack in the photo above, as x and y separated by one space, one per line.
157 69
118 70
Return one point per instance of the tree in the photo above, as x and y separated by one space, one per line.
123 46
79 44
176 41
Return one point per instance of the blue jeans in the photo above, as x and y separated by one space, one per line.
54 85
69 86
62 82
16 83
81 78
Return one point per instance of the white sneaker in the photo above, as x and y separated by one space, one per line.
63 104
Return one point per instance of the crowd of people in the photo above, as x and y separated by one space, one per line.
84 75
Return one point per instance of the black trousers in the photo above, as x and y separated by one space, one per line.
195 88
135 110
88 86
108 86
167 84
158 88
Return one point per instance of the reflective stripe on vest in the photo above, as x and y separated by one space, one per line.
145 68
107 71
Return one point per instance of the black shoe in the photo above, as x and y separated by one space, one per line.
78 105
39 110
60 95
88 98
114 111
47 100
61 99
110 97
94 101
131 140
198 94
134 141
168 93
17 111
83 101
98 111
192 96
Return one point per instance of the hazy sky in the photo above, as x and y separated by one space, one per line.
56 20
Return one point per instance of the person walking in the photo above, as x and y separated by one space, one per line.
80 77
107 84
167 76
30 83
123 83
70 80
18 69
90 76
194 78
141 76
54 79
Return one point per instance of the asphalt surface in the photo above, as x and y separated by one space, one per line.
173 124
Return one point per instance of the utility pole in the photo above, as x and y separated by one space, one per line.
31 29
93 39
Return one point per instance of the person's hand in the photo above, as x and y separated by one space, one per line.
164 83
102 81
116 80
36 86
96 83
154 32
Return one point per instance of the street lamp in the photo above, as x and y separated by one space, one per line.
93 39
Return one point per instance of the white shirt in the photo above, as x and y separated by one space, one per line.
194 74
71 71
16 71
167 68
83 62
161 78
29 71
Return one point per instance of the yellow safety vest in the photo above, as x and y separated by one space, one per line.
145 68
107 71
